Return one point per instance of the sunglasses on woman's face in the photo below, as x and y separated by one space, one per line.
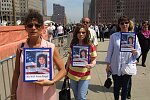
82 32
122 23
37 26
85 22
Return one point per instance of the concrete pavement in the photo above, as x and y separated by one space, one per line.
140 82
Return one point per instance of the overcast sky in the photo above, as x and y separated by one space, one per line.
73 9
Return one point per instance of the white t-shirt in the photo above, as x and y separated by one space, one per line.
60 30
93 37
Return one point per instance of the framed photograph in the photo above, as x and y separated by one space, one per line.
37 64
80 55
128 40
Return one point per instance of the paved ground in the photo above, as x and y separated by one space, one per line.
141 82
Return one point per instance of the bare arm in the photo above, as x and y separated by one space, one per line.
15 76
68 62
92 63
60 66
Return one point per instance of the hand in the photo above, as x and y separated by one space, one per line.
89 66
134 51
108 69
66 77
45 82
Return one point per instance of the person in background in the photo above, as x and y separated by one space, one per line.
93 37
60 32
80 76
116 59
41 89
96 28
45 35
144 39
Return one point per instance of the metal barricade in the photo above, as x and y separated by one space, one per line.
6 72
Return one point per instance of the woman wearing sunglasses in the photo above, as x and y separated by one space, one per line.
116 60
42 89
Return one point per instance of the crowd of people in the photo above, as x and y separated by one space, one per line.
84 34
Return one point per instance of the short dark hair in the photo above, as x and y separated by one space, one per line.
39 56
33 14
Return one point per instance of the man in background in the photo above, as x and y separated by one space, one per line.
93 38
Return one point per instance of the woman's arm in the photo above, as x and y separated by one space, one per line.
15 76
60 66
68 62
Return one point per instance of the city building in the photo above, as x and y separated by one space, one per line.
86 6
59 16
6 11
25 5
21 8
108 11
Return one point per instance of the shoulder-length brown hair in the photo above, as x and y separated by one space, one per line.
75 39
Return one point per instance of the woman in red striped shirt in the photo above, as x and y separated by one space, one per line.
80 76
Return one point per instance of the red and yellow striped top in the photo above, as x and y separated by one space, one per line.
81 73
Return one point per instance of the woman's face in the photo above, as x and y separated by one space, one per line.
83 54
145 27
124 25
34 29
81 34
130 40
42 60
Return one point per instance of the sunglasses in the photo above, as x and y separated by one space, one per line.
122 23
37 26
85 22
82 32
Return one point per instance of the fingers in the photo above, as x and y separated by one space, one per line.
134 51
44 82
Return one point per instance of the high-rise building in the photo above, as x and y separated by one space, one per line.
6 11
44 7
108 11
59 14
86 6
23 8
35 4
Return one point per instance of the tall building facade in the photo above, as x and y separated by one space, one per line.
108 11
86 7
44 7
59 16
6 11
21 9
35 4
